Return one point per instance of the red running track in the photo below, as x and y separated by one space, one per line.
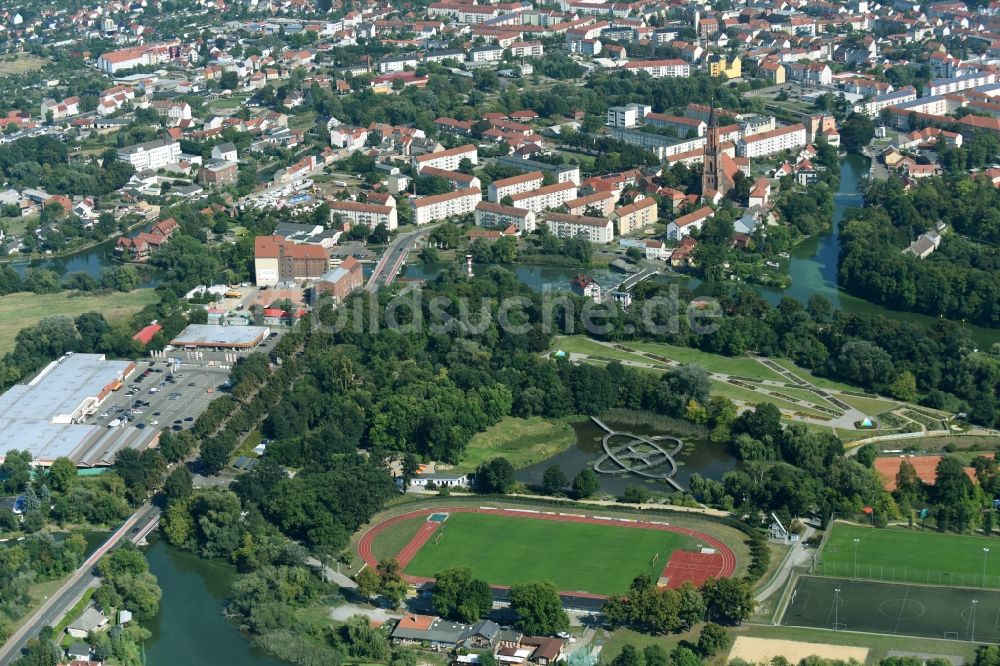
720 565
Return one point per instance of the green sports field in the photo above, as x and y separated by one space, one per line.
577 557
910 555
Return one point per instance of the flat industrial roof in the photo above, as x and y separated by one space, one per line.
212 335
38 416
60 389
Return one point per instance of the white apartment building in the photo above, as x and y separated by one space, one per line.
527 49
496 216
684 127
635 216
873 107
660 69
174 112
449 160
958 84
550 196
775 141
443 206
508 187
629 115
685 224
368 214
151 155
593 229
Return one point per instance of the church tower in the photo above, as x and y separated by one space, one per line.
711 176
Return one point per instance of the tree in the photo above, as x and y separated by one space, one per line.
460 597
712 640
391 583
553 480
905 387
727 600
691 606
410 467
62 473
636 495
178 485
629 656
368 582
866 455
495 476
538 609
586 483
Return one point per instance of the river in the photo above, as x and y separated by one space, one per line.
91 261
190 628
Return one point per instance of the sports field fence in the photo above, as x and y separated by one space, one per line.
864 570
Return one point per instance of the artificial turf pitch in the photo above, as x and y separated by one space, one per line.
910 556
893 608
577 557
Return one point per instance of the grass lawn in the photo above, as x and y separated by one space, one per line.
740 366
878 644
808 396
523 442
23 309
38 592
619 638
601 559
870 406
905 554
228 102
388 543
578 344
21 63
302 120
732 392
815 380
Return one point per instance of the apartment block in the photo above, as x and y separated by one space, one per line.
593 229
443 206
550 196
775 141
635 216
496 216
508 187
368 214
449 160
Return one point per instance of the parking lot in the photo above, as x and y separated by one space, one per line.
176 401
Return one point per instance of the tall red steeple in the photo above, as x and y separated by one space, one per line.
711 175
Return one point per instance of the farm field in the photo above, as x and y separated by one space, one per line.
22 309
909 555
503 550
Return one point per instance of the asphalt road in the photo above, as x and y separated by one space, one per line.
73 588
397 248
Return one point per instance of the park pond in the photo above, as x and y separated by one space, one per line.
697 456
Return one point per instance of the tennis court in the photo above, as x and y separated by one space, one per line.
890 608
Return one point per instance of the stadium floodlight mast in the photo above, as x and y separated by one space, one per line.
836 608
972 638
856 542
986 554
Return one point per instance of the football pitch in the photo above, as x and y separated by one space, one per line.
893 608
910 556
577 557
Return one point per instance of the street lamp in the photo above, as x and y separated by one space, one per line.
836 608
856 542
986 554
